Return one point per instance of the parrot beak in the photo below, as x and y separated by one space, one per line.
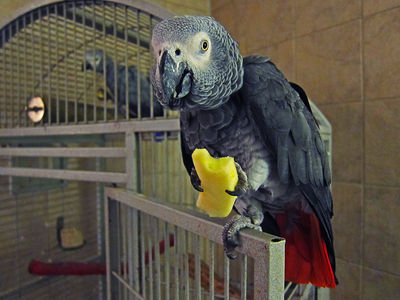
176 80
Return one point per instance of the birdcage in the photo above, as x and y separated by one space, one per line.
71 75
86 153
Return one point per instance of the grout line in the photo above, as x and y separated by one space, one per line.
372 100
344 260
377 12
361 18
368 185
294 65
381 271
322 104
295 37
363 159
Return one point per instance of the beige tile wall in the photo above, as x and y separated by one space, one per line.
346 54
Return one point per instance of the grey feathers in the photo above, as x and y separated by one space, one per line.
116 75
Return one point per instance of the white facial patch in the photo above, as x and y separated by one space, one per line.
190 51
198 57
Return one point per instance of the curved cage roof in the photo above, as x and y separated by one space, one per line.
42 53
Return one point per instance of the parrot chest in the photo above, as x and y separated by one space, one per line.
228 131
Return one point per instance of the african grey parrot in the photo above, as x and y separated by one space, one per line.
246 109
94 60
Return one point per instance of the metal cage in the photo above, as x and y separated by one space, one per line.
56 165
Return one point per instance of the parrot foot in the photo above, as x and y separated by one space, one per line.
195 180
242 186
230 234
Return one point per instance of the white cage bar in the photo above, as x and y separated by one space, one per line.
266 250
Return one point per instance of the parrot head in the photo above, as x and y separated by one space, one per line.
94 60
197 63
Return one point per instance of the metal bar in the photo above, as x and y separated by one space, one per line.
167 163
25 71
212 263
131 160
177 244
150 255
65 152
288 286
101 128
85 71
130 229
132 290
117 264
76 75
67 65
42 67
226 277
154 175
156 235
95 65
140 162
3 32
269 271
104 65
108 246
150 87
139 98
116 95
166 261
66 174
126 65
12 104
124 262
186 263
197 266
135 241
57 71
33 69
292 292
142 254
49 104
243 278
19 106
252 241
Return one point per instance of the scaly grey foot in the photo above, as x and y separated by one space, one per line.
230 234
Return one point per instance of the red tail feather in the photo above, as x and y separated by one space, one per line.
306 256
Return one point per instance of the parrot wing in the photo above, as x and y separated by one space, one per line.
289 129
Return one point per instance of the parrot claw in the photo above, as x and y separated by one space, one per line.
230 234
195 180
242 186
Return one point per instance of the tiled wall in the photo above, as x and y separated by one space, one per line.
185 7
346 54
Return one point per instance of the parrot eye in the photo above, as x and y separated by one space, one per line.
204 45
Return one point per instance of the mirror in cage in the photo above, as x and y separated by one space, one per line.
35 109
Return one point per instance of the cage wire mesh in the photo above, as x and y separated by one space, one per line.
45 54
168 262
88 62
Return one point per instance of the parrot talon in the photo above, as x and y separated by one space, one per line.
195 180
230 234
242 186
